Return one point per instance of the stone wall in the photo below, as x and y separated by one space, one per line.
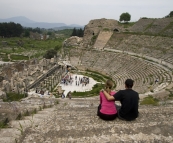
95 26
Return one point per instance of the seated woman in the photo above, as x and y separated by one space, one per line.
107 109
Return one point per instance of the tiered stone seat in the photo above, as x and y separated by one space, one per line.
122 66
75 55
76 121
158 25
141 25
153 26
16 110
88 58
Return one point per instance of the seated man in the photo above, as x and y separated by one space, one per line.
129 101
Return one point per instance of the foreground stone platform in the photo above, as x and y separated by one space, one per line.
75 121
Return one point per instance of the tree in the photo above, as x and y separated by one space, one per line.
50 54
74 33
80 32
58 46
77 32
125 17
10 29
26 33
169 15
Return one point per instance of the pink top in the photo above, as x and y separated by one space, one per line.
107 107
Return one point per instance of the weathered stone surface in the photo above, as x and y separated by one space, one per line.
154 26
74 41
12 110
95 26
70 122
3 95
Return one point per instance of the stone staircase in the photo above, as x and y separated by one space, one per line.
102 39
75 121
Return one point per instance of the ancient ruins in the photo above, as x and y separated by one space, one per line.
143 52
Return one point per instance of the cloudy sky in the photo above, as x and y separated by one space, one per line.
82 11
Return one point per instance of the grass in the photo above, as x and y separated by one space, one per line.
36 48
149 26
106 29
147 34
97 87
171 93
126 24
166 28
93 39
94 92
13 97
107 77
98 76
3 124
19 57
150 100
66 32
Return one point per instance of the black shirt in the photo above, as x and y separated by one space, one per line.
129 103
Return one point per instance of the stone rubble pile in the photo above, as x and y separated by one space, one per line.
18 77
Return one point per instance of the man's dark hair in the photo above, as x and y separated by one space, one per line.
129 83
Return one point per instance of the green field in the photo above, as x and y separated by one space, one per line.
27 48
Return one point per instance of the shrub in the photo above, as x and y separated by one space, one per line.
106 29
13 97
50 54
150 100
4 123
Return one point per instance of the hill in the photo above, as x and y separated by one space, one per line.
25 22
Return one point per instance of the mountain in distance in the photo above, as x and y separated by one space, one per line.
19 19
25 22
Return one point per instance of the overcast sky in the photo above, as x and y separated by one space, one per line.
82 11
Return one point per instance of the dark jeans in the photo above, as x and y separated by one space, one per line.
105 116
118 108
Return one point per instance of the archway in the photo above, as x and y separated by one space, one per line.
116 30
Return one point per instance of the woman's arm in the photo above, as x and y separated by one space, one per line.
108 97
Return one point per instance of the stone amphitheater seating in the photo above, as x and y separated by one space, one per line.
157 47
75 121
121 66
154 26
158 25
141 25
12 110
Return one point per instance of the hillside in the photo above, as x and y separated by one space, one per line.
25 22
162 26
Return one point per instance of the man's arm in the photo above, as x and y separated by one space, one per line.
108 97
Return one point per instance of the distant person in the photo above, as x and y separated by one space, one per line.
157 80
129 101
63 96
69 95
107 109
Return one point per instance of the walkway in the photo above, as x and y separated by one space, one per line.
73 87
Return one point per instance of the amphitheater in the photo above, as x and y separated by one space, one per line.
143 52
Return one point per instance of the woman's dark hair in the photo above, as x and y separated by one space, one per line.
129 83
